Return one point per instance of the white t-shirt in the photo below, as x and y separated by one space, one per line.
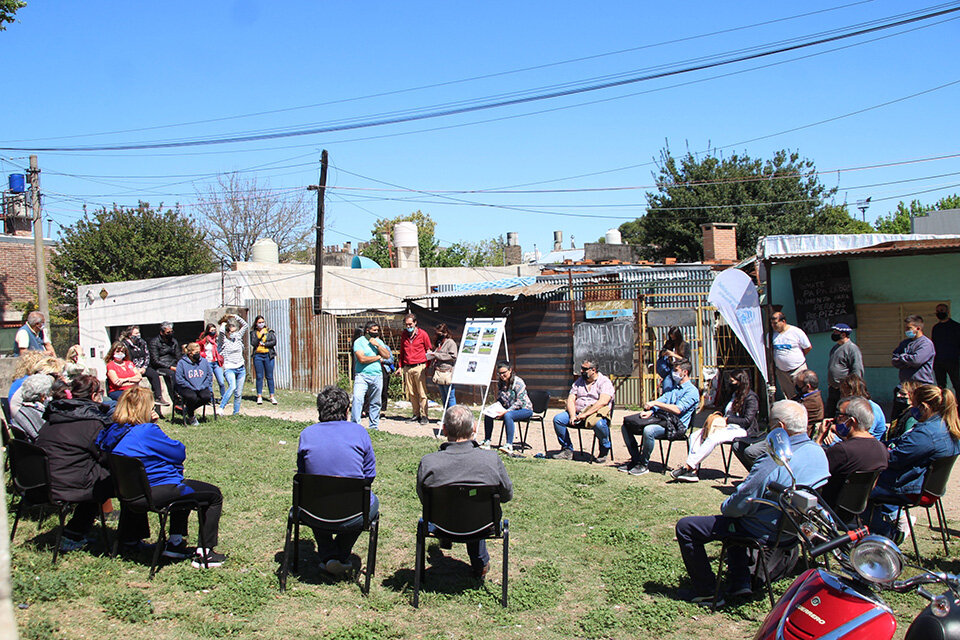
788 346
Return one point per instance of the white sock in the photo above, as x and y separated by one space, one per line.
175 539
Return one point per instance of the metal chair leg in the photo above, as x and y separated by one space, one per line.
762 560
16 519
716 589
56 542
371 555
506 555
418 563
942 521
103 533
916 549
543 432
296 544
285 564
201 521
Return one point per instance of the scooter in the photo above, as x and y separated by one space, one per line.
845 604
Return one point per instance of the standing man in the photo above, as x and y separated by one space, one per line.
591 395
946 341
845 359
337 447
913 357
790 348
164 355
368 352
32 337
673 410
462 461
414 345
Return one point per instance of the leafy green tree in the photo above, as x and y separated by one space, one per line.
8 10
899 220
781 195
465 254
127 244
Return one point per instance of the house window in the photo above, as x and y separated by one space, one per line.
880 327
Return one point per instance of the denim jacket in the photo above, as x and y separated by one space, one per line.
912 453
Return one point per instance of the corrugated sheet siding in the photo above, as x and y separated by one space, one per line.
313 347
277 315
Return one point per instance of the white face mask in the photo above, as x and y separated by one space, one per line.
677 377
118 356
261 325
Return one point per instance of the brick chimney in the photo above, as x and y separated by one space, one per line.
719 242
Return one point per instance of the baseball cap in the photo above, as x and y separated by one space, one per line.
841 327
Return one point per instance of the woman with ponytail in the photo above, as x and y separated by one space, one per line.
936 435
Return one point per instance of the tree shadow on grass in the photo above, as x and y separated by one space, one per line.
442 574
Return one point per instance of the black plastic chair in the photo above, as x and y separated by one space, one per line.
325 502
5 405
854 495
539 400
934 487
178 402
664 459
727 456
460 513
30 472
134 492
580 427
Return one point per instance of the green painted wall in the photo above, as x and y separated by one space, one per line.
877 280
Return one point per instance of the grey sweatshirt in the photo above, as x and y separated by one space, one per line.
845 359
232 348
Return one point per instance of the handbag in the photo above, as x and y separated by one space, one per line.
603 412
443 378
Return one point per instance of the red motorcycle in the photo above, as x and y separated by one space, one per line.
845 604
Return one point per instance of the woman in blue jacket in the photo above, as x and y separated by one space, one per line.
135 434
193 380
936 435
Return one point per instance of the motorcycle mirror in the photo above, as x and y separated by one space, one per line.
778 446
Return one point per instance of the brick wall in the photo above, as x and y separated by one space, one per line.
18 275
719 242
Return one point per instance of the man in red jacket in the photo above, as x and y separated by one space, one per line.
413 358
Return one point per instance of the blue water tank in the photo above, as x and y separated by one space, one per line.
18 182
363 262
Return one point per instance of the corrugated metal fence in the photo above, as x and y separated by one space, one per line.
306 344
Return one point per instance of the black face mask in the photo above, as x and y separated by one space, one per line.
800 391
941 315
836 337
374 335
195 358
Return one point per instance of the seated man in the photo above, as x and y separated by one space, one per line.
462 461
337 447
590 398
671 412
857 450
740 517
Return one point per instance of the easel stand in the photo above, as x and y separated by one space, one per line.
473 368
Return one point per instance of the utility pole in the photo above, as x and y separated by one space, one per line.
318 257
38 245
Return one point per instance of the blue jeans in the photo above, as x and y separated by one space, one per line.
476 550
263 365
367 387
884 516
649 429
561 424
235 379
338 542
508 419
444 390
218 374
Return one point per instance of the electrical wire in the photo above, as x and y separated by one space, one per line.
498 103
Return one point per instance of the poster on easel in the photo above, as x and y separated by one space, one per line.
479 348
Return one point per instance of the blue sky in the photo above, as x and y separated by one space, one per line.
75 69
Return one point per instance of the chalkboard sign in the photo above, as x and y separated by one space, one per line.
609 344
823 296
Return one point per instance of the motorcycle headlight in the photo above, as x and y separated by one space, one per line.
877 559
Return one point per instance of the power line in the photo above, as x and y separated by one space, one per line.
499 103
459 81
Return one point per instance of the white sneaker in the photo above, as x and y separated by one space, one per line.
507 448
485 444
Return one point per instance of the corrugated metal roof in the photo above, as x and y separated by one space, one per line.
514 291
897 247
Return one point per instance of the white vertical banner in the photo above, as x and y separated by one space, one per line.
735 296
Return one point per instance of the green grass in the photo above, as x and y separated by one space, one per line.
592 555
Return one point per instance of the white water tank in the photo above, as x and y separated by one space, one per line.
612 236
405 235
265 250
513 239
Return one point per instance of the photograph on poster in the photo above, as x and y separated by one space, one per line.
486 346
469 346
482 340
471 366
489 334
473 333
